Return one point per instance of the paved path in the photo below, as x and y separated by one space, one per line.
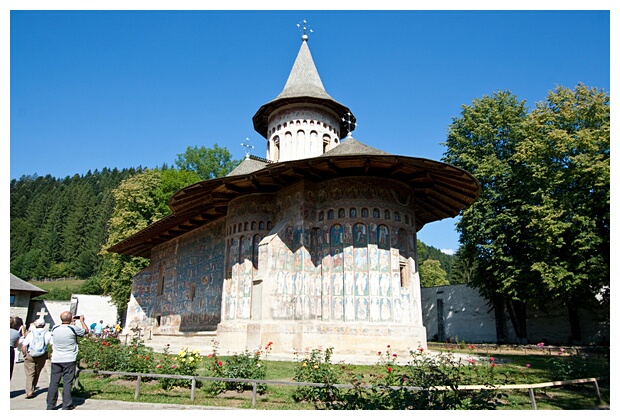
19 401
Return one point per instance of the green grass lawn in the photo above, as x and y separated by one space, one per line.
529 368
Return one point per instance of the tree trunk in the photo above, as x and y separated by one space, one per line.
500 321
575 326
518 316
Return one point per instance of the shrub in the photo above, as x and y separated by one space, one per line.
184 363
387 388
245 365
109 354
315 366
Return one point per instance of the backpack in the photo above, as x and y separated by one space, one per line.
38 346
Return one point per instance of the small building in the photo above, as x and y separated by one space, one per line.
22 293
314 245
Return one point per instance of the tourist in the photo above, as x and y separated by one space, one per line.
99 328
34 349
64 355
14 337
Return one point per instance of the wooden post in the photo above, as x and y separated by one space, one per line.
254 394
138 380
193 397
598 391
532 399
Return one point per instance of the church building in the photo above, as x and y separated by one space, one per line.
314 245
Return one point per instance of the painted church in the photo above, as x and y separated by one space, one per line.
313 245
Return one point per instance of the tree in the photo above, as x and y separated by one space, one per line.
529 237
207 163
140 201
565 161
431 274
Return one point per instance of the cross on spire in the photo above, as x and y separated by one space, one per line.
246 144
349 123
303 26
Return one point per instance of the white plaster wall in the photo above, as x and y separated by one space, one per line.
466 314
468 317
93 307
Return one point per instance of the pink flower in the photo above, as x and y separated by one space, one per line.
173 366
394 355
541 344
471 361
421 350
491 359
527 365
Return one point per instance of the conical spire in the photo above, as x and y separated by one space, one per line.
304 78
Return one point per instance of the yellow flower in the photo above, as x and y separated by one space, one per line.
191 359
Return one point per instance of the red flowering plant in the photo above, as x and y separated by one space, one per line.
109 354
248 364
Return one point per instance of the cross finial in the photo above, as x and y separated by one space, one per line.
303 27
349 123
246 144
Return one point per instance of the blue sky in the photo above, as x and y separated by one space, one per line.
127 88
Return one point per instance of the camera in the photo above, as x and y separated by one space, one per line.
76 317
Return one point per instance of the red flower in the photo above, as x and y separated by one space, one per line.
421 349
492 364
472 346
219 363
394 355
167 345
491 359
173 366
388 346
96 363
158 366
379 353
209 356
389 369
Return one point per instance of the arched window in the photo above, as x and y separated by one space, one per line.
397 216
241 249
383 237
341 213
255 242
330 214
360 235
387 215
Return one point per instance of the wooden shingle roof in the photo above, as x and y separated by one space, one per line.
441 190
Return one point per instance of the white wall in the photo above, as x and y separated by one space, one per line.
468 316
93 307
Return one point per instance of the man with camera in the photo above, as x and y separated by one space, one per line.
64 355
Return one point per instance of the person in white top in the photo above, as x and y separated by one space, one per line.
64 355
34 364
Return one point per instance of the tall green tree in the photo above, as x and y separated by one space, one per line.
140 201
482 141
564 160
208 163
539 231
